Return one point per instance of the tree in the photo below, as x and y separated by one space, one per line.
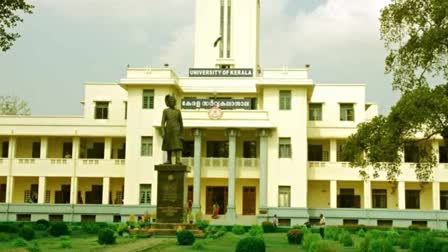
9 20
416 34
13 105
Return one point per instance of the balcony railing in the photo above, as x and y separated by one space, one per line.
324 164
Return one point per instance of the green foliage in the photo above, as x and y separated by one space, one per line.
238 229
380 245
332 233
346 239
324 246
309 239
423 243
215 232
199 245
43 222
27 233
19 242
393 237
185 237
4 237
256 230
39 227
361 233
58 228
295 236
9 227
93 227
268 227
202 224
9 19
12 105
122 228
106 236
251 244
33 247
65 244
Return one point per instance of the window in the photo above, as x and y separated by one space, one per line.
412 199
316 153
285 100
443 154
379 198
249 149
284 196
125 110
146 147
411 153
5 149
218 149
315 112
145 193
188 150
443 200
148 99
339 156
36 150
101 110
348 199
284 148
347 112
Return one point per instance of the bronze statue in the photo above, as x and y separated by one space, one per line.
172 130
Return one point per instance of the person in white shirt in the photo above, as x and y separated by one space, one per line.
275 221
322 225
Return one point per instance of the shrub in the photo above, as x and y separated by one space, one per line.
199 245
43 222
346 239
380 245
65 244
39 227
122 228
295 236
268 227
202 224
185 237
405 242
332 233
58 228
256 230
19 242
132 223
106 236
238 229
361 233
309 239
9 228
90 228
393 237
251 244
422 243
27 233
323 246
4 237
198 216
33 247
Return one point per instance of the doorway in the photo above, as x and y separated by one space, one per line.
249 197
216 195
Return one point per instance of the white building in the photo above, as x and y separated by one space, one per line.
271 148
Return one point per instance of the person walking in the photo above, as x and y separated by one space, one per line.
322 225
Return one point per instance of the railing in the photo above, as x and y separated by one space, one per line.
215 162
188 161
247 162
90 161
58 161
120 161
324 164
222 162
26 160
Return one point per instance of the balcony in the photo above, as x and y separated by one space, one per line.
4 165
212 167
39 167
332 171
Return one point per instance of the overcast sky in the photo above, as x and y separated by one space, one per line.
67 43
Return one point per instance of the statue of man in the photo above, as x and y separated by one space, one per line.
172 130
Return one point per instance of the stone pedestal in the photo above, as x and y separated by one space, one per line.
171 192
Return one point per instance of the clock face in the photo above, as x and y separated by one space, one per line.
215 113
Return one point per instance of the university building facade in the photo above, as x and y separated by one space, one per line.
259 141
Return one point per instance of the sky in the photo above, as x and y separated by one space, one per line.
67 43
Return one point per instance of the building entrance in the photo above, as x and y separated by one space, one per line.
216 195
249 197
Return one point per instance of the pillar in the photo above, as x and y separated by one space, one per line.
76 145
197 171
106 189
43 147
9 189
232 133
401 195
263 133
367 194
436 195
107 147
333 150
333 194
42 189
74 190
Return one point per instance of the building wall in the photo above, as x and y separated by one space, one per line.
318 194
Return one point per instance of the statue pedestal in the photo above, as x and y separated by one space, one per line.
171 192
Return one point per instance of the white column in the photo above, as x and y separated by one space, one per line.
106 189
43 147
41 190
74 190
436 195
401 195
367 194
231 212
197 171
333 150
75 149
107 147
263 170
333 194
9 188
